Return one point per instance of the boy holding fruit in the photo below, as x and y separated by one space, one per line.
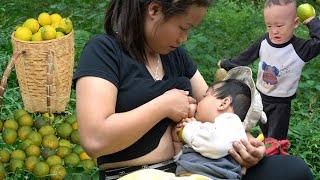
282 58
228 108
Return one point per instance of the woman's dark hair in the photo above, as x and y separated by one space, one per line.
125 21
239 92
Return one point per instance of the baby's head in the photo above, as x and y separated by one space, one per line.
230 95
281 19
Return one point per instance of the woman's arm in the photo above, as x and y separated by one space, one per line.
248 153
102 131
199 86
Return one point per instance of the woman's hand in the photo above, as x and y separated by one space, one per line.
248 154
178 104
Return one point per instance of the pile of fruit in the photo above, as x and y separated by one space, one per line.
35 145
47 27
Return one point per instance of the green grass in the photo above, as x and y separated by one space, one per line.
228 28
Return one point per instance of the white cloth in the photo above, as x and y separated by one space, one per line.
214 139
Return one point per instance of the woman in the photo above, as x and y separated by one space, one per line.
134 82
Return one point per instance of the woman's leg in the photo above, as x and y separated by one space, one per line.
279 167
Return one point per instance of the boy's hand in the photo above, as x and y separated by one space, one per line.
305 22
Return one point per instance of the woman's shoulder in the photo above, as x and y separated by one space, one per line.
103 39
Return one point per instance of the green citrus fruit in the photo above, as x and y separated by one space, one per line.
57 172
64 130
78 149
46 130
54 160
11 124
33 150
66 143
16 164
25 120
4 156
18 154
35 137
2 171
41 169
71 119
72 160
18 113
30 162
75 137
87 164
24 131
50 141
9 136
62 151
25 144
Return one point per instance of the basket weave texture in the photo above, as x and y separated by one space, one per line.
45 72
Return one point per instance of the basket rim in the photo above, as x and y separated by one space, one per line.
39 42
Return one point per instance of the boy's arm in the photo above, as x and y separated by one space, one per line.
245 58
308 49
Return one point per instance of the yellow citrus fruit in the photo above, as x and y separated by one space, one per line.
65 26
18 154
75 137
305 11
33 150
44 19
50 141
66 143
64 130
25 144
47 117
23 33
11 124
48 32
87 164
4 156
60 35
9 136
18 113
53 160
24 131
75 126
46 130
84 156
16 164
72 160
30 162
78 149
55 18
2 171
260 137
25 120
35 137
62 151
46 152
32 24
36 36
57 172
41 169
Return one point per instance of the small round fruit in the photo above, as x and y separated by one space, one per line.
305 11
72 160
41 169
53 160
16 164
33 150
44 19
24 131
11 124
9 136
32 24
30 162
23 33
18 154
57 172
4 156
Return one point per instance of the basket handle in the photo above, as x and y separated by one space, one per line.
7 73
50 82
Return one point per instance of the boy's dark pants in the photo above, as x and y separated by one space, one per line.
278 115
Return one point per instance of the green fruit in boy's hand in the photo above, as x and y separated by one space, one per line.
305 11
220 74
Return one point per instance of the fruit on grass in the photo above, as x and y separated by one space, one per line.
30 162
35 138
87 164
46 130
63 151
75 137
1 125
305 11
220 74
25 144
24 131
64 130
18 154
71 119
23 33
25 120
50 141
9 136
16 164
11 124
66 143
41 169
2 171
47 152
4 156
18 113
57 172
54 160
33 150
72 159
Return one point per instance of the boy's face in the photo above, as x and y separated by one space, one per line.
207 108
280 20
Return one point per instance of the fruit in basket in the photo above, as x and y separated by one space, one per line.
60 35
44 19
23 33
36 36
48 32
305 11
65 26
32 24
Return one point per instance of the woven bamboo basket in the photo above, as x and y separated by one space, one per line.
44 71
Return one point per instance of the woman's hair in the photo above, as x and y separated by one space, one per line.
125 21
239 92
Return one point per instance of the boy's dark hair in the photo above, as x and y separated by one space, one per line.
270 3
239 92
125 21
